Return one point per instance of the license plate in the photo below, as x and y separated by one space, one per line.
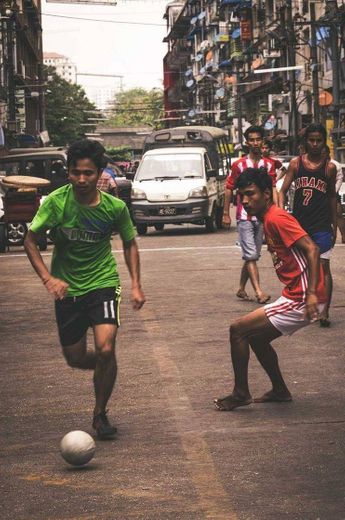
167 210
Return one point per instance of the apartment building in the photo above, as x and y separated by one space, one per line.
21 75
227 61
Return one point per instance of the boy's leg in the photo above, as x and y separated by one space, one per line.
77 355
248 329
324 316
250 234
106 367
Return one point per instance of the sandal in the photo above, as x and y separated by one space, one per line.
263 299
242 295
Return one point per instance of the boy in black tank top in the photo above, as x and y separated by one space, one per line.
315 203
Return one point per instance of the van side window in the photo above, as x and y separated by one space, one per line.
208 166
9 168
35 168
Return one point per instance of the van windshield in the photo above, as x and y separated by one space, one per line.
170 166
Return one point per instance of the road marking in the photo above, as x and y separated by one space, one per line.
148 250
213 498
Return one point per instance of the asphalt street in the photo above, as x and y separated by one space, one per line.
175 457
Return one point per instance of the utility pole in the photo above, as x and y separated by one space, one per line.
10 67
314 64
291 45
332 12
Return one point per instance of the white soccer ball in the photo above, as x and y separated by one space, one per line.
77 448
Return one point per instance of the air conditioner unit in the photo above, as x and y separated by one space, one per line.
271 53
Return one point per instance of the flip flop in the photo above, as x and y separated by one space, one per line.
242 295
263 300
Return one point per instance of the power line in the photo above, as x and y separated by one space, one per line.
103 21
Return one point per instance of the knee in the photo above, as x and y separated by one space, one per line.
105 352
74 361
236 330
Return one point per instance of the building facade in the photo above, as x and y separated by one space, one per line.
63 65
21 70
272 62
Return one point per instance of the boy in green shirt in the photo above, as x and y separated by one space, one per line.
84 278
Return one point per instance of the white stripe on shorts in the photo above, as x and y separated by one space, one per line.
106 313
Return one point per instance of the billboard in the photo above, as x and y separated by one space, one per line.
90 2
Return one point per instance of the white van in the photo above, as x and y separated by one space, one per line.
180 184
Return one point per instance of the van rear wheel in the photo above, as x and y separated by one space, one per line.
159 227
142 229
219 217
210 222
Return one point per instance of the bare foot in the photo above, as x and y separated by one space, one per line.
263 298
243 296
229 403
274 397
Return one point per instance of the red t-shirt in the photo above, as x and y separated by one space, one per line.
282 231
237 168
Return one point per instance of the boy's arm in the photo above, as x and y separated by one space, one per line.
131 254
288 179
226 210
312 254
332 195
53 285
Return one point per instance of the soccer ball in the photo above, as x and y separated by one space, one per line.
77 448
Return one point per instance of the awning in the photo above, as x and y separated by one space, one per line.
225 63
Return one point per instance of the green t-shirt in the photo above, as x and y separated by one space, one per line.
82 254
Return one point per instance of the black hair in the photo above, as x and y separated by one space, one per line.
254 129
315 127
327 148
257 176
86 149
268 143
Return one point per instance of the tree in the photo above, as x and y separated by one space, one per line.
67 110
137 107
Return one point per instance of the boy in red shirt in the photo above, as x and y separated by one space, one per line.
296 261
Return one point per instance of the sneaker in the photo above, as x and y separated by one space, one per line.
103 427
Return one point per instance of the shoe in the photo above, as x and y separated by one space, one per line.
103 427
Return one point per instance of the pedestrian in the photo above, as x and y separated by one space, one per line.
107 183
315 203
250 230
338 182
296 260
84 279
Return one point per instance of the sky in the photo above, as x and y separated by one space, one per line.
130 49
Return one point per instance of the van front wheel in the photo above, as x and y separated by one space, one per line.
142 229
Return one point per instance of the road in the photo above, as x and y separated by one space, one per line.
175 457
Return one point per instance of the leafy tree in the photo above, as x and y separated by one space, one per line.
119 153
67 110
137 107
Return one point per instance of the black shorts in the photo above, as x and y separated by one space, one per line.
75 314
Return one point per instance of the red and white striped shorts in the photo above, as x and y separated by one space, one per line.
287 316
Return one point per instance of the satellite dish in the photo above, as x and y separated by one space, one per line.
194 20
202 15
190 83
192 113
188 72
202 70
198 57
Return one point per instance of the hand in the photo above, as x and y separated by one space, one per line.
56 287
311 308
226 221
138 298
